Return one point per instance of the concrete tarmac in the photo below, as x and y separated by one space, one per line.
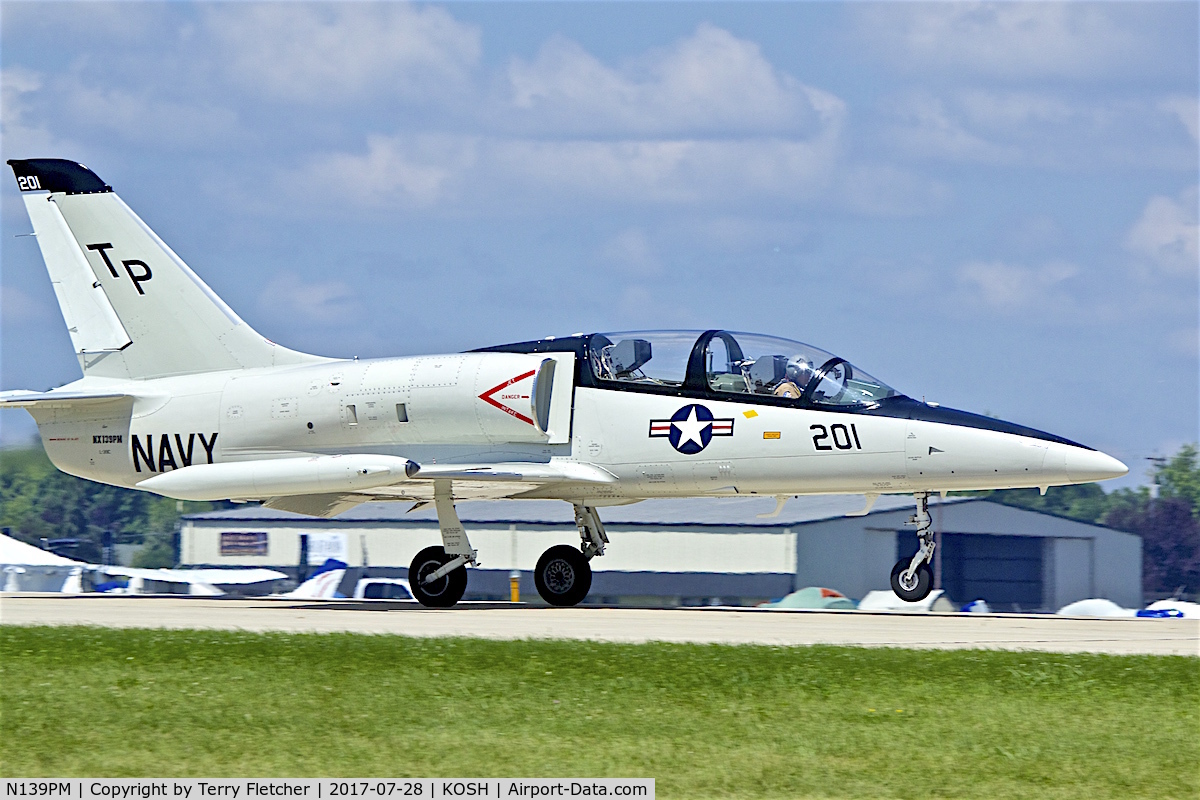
698 625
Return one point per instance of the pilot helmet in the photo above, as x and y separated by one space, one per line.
799 370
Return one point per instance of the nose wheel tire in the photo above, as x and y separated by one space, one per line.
443 592
563 576
912 588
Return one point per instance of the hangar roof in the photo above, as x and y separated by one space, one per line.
705 511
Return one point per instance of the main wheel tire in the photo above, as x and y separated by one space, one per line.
916 588
563 576
446 590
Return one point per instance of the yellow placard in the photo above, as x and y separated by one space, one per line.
771 434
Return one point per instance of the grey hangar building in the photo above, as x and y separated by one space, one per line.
705 551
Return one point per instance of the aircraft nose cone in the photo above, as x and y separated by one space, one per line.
1092 465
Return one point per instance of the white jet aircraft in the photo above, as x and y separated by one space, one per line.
180 397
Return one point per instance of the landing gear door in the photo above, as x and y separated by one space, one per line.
554 396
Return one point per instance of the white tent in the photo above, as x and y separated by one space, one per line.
31 569
199 581
14 551
888 601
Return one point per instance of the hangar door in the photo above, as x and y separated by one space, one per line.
1006 571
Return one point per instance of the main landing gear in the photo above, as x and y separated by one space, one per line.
432 585
563 575
912 579
438 575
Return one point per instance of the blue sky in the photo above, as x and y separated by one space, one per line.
991 206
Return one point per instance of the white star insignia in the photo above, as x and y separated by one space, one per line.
690 429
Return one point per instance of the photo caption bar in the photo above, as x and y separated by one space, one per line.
321 788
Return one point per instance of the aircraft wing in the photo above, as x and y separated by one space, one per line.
324 486
551 472
23 398
471 482
316 505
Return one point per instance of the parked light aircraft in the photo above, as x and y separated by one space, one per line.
180 397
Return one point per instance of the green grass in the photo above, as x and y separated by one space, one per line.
704 721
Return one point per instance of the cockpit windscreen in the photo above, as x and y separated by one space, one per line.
735 364
656 358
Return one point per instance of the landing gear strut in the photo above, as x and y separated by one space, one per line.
563 575
591 531
912 579
438 575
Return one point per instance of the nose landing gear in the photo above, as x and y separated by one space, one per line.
563 576
912 579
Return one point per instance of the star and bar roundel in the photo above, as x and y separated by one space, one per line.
691 428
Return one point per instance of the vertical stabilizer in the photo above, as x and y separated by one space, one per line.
133 308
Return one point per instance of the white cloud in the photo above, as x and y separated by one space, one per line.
706 120
884 190
1166 235
709 82
340 52
1042 128
23 137
407 171
925 128
142 118
1187 110
287 297
1012 287
1039 232
451 169
1015 111
107 23
708 172
1007 39
740 230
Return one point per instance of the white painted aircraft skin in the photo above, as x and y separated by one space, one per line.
253 415
181 397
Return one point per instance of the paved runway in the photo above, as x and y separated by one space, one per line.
708 625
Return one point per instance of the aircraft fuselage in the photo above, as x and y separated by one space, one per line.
436 410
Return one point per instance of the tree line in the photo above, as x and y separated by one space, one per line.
37 501
1165 514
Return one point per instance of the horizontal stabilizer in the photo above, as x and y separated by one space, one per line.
22 398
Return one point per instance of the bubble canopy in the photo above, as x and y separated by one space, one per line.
734 364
